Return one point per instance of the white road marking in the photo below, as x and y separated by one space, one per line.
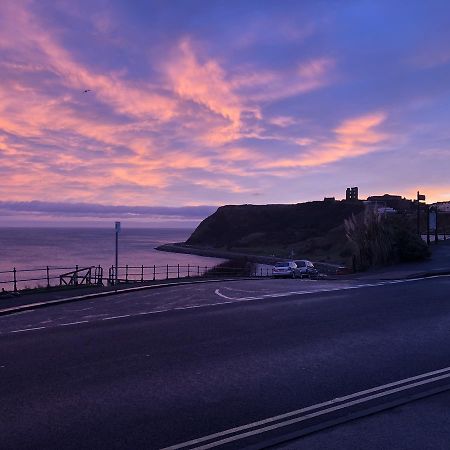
231 300
27 329
339 288
374 393
116 317
22 312
71 323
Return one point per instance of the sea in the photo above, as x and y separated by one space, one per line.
36 248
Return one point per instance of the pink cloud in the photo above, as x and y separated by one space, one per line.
354 137
203 83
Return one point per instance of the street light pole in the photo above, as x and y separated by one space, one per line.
117 227
419 198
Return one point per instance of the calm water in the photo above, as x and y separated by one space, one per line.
26 248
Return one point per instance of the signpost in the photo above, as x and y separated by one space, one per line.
117 227
420 197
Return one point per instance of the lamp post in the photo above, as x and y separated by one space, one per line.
117 228
419 198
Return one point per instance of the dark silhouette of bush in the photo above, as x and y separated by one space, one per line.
408 245
236 267
380 240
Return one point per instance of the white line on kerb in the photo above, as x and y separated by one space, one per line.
324 408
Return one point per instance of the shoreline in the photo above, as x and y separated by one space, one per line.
180 247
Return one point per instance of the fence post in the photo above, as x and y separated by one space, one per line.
178 271
48 278
75 276
206 270
167 271
198 271
15 279
188 271
142 273
154 272
126 273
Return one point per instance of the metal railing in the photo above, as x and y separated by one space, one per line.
16 280
143 273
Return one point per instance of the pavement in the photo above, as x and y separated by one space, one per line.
420 425
209 362
438 263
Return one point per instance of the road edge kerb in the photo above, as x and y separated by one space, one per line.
273 443
31 306
383 277
431 273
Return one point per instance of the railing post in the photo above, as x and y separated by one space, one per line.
198 271
154 272
48 277
178 271
126 273
167 271
142 273
75 276
206 270
113 275
188 271
15 279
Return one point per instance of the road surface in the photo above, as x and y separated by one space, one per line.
160 368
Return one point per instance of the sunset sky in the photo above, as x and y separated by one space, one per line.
196 104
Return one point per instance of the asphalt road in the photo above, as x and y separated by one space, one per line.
154 369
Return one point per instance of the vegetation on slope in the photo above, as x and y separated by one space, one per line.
379 240
312 230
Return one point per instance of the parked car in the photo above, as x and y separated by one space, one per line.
306 268
285 269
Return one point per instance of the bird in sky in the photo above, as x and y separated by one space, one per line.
86 90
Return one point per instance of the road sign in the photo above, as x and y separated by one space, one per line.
421 197
117 227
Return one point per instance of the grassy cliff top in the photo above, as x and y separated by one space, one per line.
267 228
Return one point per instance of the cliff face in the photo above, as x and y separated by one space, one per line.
250 226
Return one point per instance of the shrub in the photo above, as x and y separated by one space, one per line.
233 267
378 240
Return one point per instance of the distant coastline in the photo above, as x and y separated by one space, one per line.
181 247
